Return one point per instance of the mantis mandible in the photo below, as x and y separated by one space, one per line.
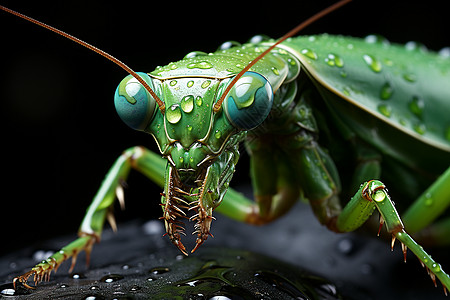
276 78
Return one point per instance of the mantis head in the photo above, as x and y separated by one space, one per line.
199 143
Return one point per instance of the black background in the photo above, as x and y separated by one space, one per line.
59 129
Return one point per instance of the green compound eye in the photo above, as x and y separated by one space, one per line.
249 101
135 106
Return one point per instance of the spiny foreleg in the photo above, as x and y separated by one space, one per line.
141 159
42 271
371 195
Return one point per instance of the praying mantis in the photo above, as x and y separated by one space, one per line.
375 187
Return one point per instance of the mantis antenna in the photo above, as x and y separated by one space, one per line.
160 103
291 33
95 49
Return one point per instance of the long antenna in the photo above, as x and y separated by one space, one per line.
95 49
291 33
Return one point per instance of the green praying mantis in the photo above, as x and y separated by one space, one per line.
290 103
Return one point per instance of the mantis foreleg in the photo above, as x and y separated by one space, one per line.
139 158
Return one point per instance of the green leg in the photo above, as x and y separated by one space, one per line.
141 159
274 194
373 195
430 205
320 187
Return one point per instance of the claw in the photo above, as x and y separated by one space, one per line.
381 224
405 250
22 279
393 242
180 246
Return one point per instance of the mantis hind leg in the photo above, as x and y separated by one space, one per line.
139 158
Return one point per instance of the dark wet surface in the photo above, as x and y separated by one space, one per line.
138 263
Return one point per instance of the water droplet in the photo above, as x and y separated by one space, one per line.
372 62
444 52
111 278
343 74
159 270
345 246
153 227
62 286
386 91
309 53
195 54
94 287
410 77
173 114
229 44
181 159
189 127
41 255
376 39
199 100
436 268
78 276
8 292
205 84
200 65
379 196
90 298
334 60
173 66
190 83
385 110
428 200
415 46
135 288
419 128
275 71
416 106
217 134
172 82
179 257
187 103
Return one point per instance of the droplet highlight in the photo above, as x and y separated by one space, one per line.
309 53
199 100
187 103
173 114
386 91
372 62
205 84
200 65
416 106
419 128
385 110
334 60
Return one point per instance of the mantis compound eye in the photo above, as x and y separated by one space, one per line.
249 101
134 104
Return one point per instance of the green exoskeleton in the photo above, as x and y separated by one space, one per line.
288 101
